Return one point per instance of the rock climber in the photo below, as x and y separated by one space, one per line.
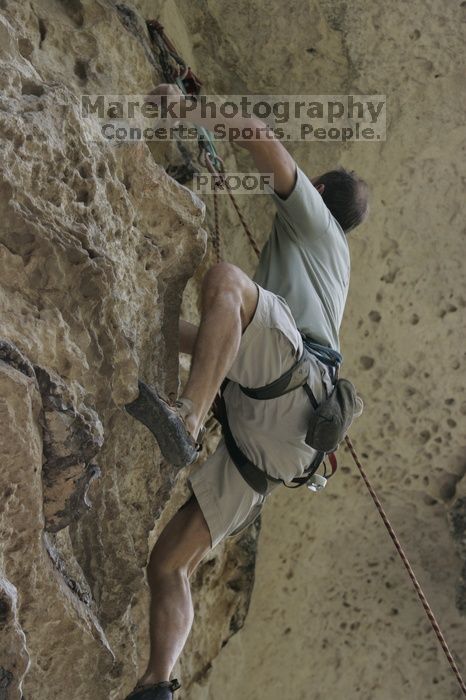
250 331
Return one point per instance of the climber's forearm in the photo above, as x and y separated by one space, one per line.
244 131
269 155
177 107
173 106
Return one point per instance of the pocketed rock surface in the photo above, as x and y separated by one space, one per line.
100 251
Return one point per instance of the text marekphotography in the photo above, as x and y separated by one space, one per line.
284 117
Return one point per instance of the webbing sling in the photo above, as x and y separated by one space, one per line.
327 355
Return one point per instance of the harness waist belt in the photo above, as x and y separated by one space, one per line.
255 477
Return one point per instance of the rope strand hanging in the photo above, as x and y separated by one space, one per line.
221 183
216 239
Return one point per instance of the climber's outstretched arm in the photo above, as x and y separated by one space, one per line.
269 155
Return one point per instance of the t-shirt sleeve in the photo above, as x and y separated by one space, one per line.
303 210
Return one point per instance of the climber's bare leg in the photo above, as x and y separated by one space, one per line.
180 548
228 302
188 335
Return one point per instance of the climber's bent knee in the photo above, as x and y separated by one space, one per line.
227 279
183 543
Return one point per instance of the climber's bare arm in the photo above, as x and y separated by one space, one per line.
269 155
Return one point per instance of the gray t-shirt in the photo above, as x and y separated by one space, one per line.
306 261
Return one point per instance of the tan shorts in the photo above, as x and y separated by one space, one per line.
271 433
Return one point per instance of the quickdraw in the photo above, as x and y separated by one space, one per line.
176 71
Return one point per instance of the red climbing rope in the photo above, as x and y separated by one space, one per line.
223 184
216 239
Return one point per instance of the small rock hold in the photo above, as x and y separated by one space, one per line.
429 501
424 436
366 362
10 354
447 487
5 679
4 610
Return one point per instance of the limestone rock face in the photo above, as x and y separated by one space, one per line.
100 251
97 243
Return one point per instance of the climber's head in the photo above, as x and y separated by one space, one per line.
346 195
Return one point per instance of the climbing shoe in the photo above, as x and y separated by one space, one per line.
159 691
166 424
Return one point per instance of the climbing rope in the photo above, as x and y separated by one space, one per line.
216 238
208 156
220 183
176 71
173 66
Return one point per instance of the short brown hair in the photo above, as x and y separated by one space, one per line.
346 196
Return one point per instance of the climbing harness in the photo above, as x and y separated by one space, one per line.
176 71
258 479
328 422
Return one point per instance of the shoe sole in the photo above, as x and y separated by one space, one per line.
166 426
